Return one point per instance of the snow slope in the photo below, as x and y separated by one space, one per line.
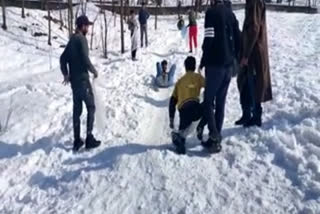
275 169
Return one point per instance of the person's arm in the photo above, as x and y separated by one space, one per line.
64 60
253 28
209 34
172 106
84 52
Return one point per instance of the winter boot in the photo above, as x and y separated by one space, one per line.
246 116
213 144
255 121
91 142
179 143
77 144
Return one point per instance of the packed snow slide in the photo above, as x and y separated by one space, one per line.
273 169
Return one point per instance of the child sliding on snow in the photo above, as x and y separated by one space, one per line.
186 97
164 78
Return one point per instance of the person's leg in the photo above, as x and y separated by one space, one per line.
245 97
190 39
77 111
146 34
214 79
133 54
221 99
195 37
171 74
91 108
141 35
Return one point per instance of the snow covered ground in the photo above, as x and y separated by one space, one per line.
275 169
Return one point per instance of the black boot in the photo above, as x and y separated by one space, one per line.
179 143
256 119
246 116
77 144
213 144
200 133
91 142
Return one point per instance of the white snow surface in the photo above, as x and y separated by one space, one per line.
273 169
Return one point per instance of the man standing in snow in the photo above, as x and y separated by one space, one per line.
193 30
76 55
217 59
133 27
254 80
186 97
143 19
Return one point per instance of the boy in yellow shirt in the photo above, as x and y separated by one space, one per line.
186 97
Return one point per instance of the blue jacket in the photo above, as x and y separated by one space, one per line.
143 16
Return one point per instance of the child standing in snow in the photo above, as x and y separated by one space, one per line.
133 27
186 98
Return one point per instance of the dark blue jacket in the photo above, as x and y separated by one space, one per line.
143 16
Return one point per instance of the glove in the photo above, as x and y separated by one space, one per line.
171 123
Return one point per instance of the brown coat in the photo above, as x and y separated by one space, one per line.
255 48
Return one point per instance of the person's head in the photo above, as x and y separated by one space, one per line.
83 24
227 3
143 5
164 65
190 63
132 13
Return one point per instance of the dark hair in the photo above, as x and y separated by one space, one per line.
164 62
143 3
190 63
131 12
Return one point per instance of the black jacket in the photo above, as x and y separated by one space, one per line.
76 55
219 46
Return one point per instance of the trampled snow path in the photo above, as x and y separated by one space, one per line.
270 170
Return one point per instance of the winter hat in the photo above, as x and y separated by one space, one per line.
82 20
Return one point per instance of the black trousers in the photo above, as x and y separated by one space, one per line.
246 85
82 92
133 54
190 112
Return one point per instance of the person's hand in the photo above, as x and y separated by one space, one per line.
171 123
95 74
244 62
66 80
199 70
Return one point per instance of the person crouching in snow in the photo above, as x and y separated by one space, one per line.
133 27
164 79
186 97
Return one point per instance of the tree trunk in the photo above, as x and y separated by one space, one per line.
70 17
60 16
156 18
4 24
105 35
49 23
121 26
22 10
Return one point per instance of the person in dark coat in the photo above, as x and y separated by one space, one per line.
254 81
217 59
143 20
76 55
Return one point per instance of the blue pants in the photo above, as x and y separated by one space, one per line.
217 83
170 74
